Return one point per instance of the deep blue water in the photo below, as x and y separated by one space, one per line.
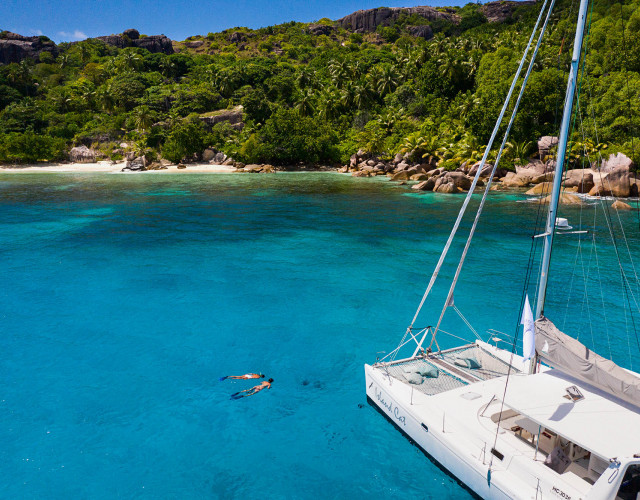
123 299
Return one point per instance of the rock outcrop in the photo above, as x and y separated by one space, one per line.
620 205
136 165
616 161
423 31
579 178
82 154
232 116
131 38
363 21
320 29
499 12
545 144
14 48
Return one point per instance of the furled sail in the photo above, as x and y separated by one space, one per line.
568 354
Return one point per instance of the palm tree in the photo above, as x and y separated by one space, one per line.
305 104
518 151
361 95
64 60
105 97
388 80
167 66
468 102
130 60
143 117
339 71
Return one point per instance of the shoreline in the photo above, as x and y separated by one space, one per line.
107 167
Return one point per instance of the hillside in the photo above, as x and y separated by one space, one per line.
421 81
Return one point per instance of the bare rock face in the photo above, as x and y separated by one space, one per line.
208 154
542 188
136 165
424 31
535 168
232 116
427 185
400 176
581 179
82 154
320 29
565 199
237 37
419 177
618 182
458 179
153 43
447 188
516 180
616 161
132 33
14 48
499 12
545 144
368 20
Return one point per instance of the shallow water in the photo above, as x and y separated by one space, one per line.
125 298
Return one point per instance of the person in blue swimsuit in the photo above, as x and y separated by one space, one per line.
246 376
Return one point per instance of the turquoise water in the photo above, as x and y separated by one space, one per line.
124 298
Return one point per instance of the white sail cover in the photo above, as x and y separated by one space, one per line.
572 357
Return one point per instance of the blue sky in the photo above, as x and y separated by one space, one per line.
68 20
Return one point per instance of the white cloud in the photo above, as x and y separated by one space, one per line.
36 32
76 35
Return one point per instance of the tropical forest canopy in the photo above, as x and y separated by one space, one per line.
320 95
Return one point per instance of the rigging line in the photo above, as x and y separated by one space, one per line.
466 321
627 288
579 248
570 292
517 331
480 168
585 280
604 309
595 128
493 171
626 72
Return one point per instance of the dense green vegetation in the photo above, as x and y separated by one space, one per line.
321 97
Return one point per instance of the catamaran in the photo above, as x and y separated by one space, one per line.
558 420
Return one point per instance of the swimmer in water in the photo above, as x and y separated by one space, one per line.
254 390
246 376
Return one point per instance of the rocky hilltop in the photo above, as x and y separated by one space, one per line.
132 38
14 48
368 20
363 21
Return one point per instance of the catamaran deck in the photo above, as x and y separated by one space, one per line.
450 375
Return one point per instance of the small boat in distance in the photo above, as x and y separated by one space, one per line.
558 421
562 224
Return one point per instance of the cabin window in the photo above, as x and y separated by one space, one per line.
630 486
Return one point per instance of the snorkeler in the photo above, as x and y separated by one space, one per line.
254 390
246 376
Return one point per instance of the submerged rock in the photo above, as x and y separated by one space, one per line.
620 205
542 188
565 199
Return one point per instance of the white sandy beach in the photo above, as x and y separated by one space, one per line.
106 167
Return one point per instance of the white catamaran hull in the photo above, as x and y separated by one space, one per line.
394 400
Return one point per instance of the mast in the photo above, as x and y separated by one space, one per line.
562 150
